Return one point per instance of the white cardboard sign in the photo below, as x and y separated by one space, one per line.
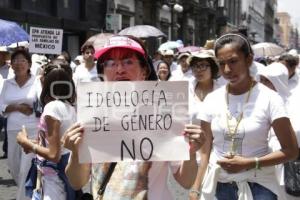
126 121
45 40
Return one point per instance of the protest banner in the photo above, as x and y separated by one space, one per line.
45 40
126 121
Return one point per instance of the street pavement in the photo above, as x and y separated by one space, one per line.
8 188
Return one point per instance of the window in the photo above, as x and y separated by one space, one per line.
66 3
125 21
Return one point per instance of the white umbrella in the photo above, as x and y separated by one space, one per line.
19 44
142 31
265 49
170 45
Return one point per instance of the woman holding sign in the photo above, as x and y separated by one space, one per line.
124 59
236 120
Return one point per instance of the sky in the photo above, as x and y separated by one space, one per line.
292 7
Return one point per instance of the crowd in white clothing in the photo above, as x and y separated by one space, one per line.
242 112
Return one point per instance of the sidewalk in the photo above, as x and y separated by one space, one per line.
8 187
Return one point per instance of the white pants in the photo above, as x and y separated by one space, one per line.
18 162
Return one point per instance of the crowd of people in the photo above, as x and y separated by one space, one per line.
244 133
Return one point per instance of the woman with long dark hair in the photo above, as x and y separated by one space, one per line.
57 98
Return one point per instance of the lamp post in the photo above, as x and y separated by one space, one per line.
172 6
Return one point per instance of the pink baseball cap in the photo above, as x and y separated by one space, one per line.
120 42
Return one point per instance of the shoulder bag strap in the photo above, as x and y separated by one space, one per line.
106 178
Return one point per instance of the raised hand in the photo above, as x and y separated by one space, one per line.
72 137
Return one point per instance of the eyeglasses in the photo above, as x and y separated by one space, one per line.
199 66
19 61
127 62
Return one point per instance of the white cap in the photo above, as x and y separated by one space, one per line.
168 52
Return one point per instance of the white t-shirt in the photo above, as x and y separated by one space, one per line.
13 94
251 138
63 112
82 74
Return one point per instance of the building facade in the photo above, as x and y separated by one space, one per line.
286 27
270 22
228 16
277 32
79 19
293 40
198 21
253 12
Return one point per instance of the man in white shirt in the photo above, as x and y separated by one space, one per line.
87 71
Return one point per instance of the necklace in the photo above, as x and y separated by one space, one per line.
200 94
232 124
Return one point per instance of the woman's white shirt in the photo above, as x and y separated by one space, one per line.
12 93
264 106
